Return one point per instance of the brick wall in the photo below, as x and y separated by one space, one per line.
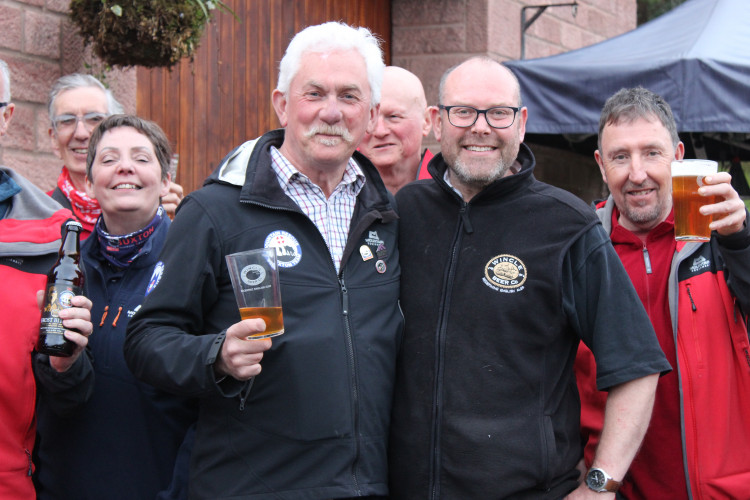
40 44
429 36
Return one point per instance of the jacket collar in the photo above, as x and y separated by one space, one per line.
501 187
249 167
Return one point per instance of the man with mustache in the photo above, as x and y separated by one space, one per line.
697 296
314 422
502 277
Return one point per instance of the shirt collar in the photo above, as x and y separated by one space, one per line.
286 173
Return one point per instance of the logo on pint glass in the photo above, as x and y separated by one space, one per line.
288 251
505 273
253 275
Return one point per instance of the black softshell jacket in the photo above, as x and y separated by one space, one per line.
314 423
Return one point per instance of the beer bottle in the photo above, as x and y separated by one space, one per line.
64 281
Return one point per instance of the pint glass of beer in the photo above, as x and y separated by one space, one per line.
687 177
255 280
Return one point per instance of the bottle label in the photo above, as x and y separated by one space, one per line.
58 298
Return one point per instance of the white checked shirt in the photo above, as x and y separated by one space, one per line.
331 216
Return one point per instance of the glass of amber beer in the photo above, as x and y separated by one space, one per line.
255 279
687 177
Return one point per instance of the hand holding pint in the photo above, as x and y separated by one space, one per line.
255 279
687 178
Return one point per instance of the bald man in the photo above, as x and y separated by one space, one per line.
395 146
501 276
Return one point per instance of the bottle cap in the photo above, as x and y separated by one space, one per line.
74 225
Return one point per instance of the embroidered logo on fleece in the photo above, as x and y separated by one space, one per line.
288 251
505 273
700 263
155 277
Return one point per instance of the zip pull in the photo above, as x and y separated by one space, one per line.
31 463
465 217
114 323
647 260
344 298
104 316
246 393
691 298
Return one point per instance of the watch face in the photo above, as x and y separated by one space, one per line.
595 479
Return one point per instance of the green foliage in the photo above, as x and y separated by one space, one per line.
146 33
649 9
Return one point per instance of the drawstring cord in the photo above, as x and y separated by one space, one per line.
114 323
106 308
104 316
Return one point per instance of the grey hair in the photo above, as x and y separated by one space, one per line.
5 75
328 37
77 81
628 105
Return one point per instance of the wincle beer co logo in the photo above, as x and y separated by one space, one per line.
505 273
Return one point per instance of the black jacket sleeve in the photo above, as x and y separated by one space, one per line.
735 250
64 392
168 343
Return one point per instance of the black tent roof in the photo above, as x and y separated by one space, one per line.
696 56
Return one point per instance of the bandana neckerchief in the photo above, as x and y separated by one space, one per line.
121 251
85 208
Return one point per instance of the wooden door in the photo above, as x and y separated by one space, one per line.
223 97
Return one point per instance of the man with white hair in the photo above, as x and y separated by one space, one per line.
314 422
395 145
30 223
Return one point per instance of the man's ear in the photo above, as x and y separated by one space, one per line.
279 101
427 124
679 151
598 158
436 120
7 116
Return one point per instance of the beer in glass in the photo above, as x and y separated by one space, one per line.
687 177
255 280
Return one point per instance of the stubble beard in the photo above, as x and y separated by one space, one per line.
463 173
644 215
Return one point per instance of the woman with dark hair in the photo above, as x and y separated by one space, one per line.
102 433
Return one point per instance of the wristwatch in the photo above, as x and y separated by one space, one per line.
600 481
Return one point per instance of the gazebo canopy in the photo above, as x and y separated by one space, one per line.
696 56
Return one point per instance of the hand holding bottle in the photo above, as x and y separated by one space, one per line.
78 327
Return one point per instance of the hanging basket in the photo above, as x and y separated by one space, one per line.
150 33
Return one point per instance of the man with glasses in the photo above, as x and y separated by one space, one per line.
29 240
77 104
501 277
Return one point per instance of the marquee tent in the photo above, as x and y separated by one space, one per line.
697 56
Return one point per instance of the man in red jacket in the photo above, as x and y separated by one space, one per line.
30 224
697 296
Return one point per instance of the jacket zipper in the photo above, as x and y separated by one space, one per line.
647 260
355 392
31 463
437 409
347 328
